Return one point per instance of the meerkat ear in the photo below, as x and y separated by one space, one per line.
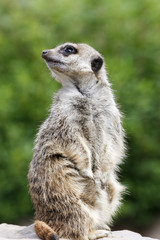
96 64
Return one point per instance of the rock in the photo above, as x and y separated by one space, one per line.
9 231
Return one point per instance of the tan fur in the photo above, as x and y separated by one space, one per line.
72 176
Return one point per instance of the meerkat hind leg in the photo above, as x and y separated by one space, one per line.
96 234
44 232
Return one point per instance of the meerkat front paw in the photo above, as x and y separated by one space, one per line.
96 234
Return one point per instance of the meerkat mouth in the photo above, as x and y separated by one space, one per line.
52 60
49 59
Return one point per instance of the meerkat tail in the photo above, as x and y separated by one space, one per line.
44 231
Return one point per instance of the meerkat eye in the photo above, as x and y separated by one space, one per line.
67 50
70 49
96 64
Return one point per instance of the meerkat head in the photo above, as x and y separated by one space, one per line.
75 63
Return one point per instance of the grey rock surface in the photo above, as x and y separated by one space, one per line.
9 231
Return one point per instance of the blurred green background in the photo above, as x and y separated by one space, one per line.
127 33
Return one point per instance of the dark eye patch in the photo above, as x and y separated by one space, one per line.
68 50
96 64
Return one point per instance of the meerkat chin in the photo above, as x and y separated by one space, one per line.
72 176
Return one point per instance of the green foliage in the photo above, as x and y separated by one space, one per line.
127 33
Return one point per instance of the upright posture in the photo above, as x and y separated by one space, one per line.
72 175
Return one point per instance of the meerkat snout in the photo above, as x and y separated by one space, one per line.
44 52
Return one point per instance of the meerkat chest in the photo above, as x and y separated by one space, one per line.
98 126
94 126
95 121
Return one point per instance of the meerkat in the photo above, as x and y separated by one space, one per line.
72 176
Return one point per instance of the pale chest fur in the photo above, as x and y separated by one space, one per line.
95 123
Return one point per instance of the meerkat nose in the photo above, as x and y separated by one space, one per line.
44 53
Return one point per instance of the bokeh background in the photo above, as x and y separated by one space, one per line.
127 33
